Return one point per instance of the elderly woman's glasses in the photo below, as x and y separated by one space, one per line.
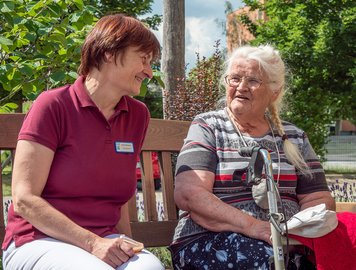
234 81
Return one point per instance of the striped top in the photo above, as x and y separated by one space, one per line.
212 144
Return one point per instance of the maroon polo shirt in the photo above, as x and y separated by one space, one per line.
94 166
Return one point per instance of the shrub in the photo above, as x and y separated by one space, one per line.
343 191
200 91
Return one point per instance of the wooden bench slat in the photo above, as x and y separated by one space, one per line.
167 186
133 209
346 207
148 187
165 135
10 125
2 221
154 233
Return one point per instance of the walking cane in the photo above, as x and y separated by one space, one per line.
260 158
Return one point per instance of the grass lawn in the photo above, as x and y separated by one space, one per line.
338 170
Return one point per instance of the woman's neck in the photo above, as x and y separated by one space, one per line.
250 125
101 95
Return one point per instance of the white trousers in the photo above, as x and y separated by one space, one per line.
51 254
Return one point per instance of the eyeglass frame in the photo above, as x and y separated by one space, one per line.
227 81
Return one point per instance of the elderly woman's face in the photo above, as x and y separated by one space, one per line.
248 92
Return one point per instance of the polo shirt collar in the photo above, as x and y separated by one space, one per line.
84 99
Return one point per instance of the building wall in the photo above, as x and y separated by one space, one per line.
346 127
237 33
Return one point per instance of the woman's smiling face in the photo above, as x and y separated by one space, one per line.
128 70
244 99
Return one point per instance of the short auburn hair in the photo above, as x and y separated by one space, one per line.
113 34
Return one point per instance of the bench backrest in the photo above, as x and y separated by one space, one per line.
10 125
165 137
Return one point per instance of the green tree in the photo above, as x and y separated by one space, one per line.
40 43
317 41
151 94
135 8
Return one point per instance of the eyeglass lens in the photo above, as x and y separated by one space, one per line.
235 81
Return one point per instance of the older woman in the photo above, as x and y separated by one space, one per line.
221 226
76 156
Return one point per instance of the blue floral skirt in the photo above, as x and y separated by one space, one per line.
228 250
225 250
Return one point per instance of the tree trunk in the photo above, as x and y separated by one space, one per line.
173 62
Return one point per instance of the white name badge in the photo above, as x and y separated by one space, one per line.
124 147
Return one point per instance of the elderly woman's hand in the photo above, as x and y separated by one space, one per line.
260 230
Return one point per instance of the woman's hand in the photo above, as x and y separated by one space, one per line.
28 182
114 251
260 230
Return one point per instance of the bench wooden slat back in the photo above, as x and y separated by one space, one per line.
346 206
2 223
165 137
148 187
167 178
10 125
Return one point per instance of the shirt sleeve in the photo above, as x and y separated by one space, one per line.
316 181
41 123
199 148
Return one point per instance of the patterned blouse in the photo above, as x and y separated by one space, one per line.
213 144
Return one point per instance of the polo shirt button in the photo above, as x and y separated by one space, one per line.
107 127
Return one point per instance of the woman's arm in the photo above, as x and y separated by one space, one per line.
31 170
193 193
305 185
315 198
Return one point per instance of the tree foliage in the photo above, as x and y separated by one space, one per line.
40 45
133 8
40 42
151 94
200 91
317 41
